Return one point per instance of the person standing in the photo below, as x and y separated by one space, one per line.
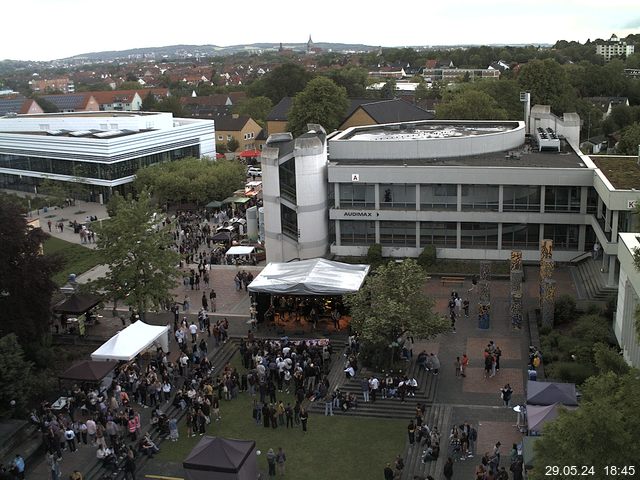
435 364
18 462
464 363
205 302
457 365
212 299
505 393
70 437
304 416
411 431
271 461
281 458
129 466
54 465
388 472
448 469
465 307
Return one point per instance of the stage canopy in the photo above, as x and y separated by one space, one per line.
538 415
548 393
128 343
77 304
222 459
310 277
88 371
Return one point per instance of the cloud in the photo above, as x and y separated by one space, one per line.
635 23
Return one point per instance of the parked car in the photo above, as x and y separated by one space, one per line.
254 172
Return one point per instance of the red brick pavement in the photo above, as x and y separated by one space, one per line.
475 382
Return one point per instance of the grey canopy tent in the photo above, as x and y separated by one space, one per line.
309 277
77 304
538 415
88 371
548 393
214 204
222 459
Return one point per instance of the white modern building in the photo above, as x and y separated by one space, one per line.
101 149
628 299
614 47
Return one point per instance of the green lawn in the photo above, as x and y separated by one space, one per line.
77 259
334 447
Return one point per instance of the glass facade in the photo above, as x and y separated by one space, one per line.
592 201
480 197
565 237
288 180
439 197
439 234
353 232
520 235
479 235
398 234
520 198
289 219
357 195
562 199
97 170
398 196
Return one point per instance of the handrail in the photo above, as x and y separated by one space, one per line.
580 257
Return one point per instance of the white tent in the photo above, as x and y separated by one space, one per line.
128 343
310 277
240 250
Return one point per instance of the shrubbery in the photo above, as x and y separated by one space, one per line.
427 257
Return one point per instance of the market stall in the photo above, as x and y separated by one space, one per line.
131 341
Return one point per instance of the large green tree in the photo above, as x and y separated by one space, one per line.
16 384
191 180
322 101
602 431
257 108
549 84
629 140
143 267
392 304
469 104
353 79
284 81
25 280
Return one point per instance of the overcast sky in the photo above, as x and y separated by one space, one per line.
50 29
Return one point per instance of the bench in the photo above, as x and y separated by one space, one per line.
452 280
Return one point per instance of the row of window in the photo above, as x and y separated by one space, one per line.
103 171
515 198
444 234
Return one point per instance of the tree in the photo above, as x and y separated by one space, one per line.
322 102
353 79
388 90
257 108
629 140
232 144
607 421
549 85
469 104
46 105
25 280
392 304
149 103
170 104
422 92
15 376
284 81
137 248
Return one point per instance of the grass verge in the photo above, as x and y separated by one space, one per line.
76 258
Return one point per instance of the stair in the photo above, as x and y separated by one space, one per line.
587 273
220 357
382 407
440 416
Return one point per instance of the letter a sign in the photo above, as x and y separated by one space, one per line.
355 177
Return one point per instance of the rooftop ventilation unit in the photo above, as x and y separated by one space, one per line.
80 133
547 139
111 133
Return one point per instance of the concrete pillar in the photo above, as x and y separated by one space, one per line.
418 197
377 230
599 211
582 235
611 278
338 235
542 200
376 190
336 195
500 234
417 234
614 226
607 221
458 236
459 199
500 202
584 193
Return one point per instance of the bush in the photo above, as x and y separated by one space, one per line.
565 310
427 257
571 372
592 329
374 254
609 360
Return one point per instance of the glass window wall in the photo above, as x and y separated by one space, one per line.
565 237
288 180
398 234
289 219
353 232
520 235
479 235
480 197
520 198
562 199
357 195
439 234
438 196
397 196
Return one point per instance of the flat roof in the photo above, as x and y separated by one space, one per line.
94 134
418 130
622 172
107 113
507 158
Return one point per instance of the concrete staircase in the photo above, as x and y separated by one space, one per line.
381 408
439 415
587 275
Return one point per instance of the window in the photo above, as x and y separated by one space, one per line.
229 137
480 197
398 234
353 232
289 220
288 180
439 234
562 199
565 237
520 235
479 235
357 195
592 201
397 196
438 197
520 198
220 137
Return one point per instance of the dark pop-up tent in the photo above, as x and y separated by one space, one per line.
222 459
548 393
539 415
310 277
77 304
88 371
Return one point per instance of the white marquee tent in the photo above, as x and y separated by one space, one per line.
310 277
128 343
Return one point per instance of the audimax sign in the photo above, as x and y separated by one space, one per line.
351 213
